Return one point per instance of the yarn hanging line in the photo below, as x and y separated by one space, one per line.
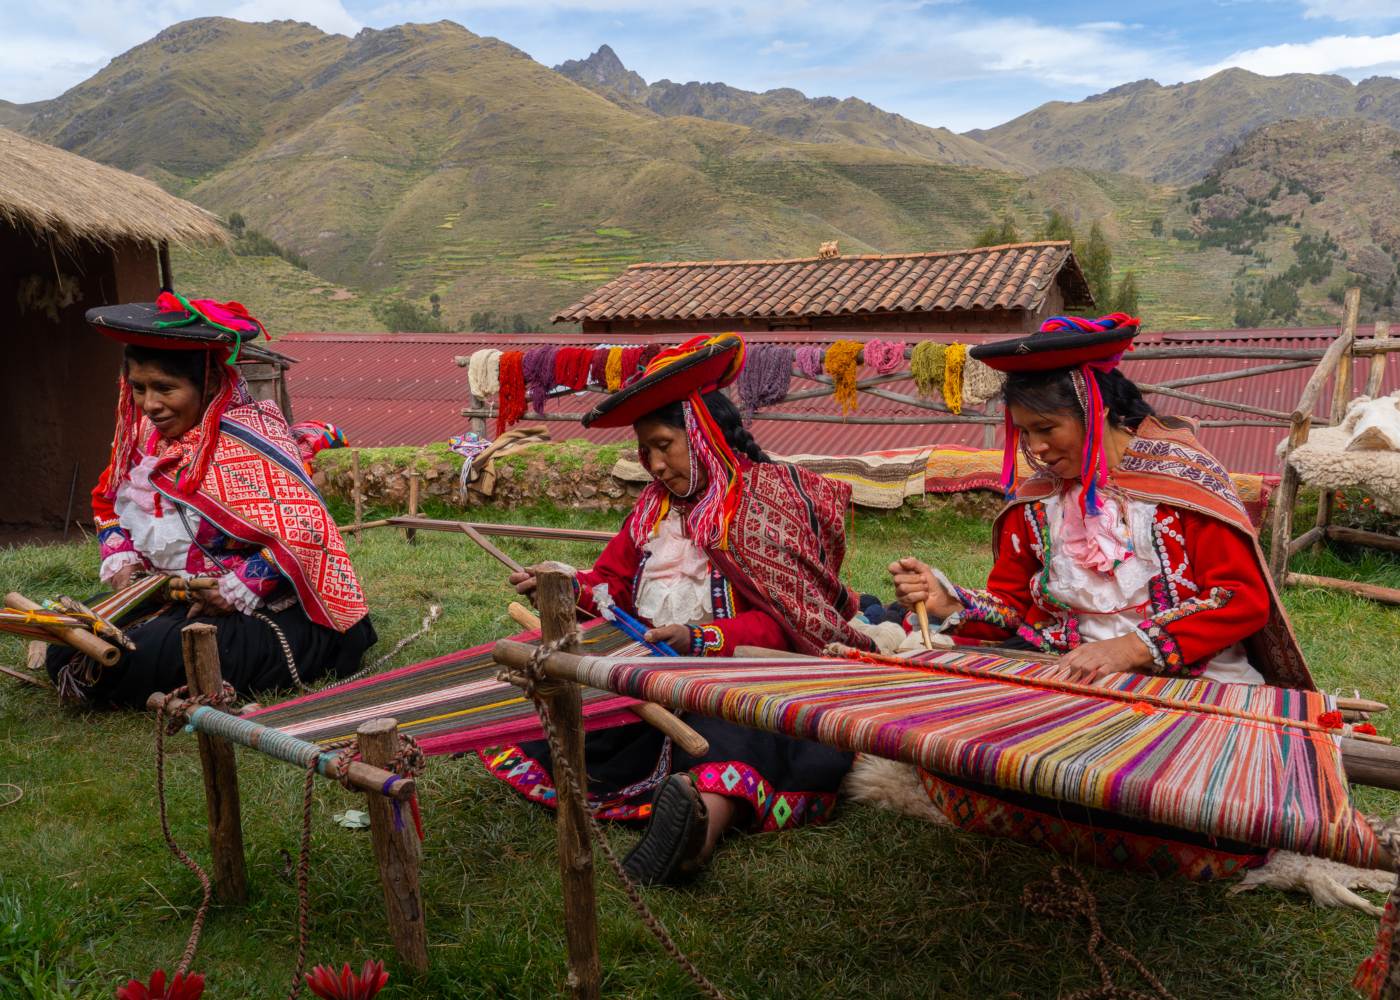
1250 763
1094 458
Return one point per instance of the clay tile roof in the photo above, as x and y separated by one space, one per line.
1015 276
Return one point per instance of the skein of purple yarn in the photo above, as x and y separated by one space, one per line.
765 377
538 365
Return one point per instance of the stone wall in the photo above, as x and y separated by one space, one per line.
569 474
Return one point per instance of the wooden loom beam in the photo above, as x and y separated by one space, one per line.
397 851
205 678
564 702
80 639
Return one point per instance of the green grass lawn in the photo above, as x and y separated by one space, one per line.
874 905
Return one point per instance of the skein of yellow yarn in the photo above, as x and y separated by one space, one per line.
840 364
953 361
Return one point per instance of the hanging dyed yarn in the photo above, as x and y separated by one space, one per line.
538 367
884 356
484 373
808 361
765 377
953 360
926 365
648 352
631 357
612 370
598 367
571 367
980 382
841 364
512 401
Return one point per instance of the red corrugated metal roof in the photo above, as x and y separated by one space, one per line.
405 389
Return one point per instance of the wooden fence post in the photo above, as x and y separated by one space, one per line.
358 491
396 850
1378 361
1341 395
201 648
413 477
555 595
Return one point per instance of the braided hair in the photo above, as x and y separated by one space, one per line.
726 416
1053 392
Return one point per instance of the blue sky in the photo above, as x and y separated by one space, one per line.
960 63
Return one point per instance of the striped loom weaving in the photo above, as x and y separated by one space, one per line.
117 608
1268 785
450 704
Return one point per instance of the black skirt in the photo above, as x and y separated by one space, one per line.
250 655
785 782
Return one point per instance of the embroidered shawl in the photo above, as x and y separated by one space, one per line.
255 489
1167 465
786 544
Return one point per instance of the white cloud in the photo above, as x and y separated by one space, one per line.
328 15
780 47
1350 55
1351 10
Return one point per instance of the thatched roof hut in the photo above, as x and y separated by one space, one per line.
73 234
61 197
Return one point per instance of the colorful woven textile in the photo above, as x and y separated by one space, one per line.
1260 783
450 704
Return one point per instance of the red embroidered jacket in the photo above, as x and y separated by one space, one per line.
737 622
1208 592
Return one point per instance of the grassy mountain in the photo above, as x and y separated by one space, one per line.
784 112
15 116
424 159
1176 134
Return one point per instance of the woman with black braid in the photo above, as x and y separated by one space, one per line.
724 548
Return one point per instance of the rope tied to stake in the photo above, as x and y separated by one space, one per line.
532 679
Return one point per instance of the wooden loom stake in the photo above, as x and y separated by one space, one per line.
201 648
358 492
555 594
396 850
672 725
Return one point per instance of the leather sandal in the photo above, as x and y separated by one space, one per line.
669 851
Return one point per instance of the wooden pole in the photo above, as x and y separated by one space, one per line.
555 594
1355 536
358 492
396 849
1385 595
1341 395
413 475
201 648
80 639
1378 361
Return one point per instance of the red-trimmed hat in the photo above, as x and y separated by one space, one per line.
1063 342
176 323
700 365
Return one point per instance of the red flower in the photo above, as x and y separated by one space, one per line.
347 986
1364 727
1330 720
182 987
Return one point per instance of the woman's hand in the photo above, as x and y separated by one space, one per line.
1094 660
524 581
208 602
915 582
675 636
124 576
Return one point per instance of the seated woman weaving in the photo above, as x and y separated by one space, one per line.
206 483
725 548
1128 549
